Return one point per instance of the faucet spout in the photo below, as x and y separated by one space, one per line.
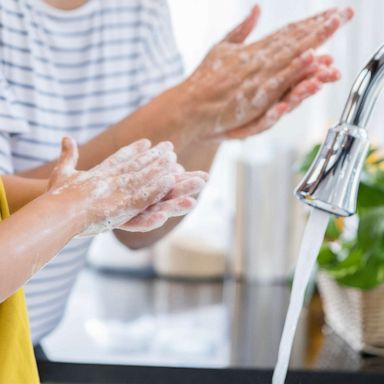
365 92
332 182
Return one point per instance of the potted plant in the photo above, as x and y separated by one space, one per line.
351 263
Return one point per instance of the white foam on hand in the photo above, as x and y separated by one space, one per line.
239 88
137 189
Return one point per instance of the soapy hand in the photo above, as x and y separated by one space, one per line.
180 200
136 189
242 90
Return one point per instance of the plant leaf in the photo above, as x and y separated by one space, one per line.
358 262
366 277
370 234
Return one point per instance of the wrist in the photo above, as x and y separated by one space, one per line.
189 101
196 115
71 208
188 115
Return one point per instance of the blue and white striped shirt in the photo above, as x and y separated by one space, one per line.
74 72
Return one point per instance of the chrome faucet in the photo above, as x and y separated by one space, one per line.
332 182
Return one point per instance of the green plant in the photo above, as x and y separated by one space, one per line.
358 260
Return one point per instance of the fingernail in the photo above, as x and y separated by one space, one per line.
281 108
313 86
346 14
186 203
328 75
255 10
145 143
337 74
333 74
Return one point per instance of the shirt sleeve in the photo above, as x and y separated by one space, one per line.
162 63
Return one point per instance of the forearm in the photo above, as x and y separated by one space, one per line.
167 117
32 236
22 190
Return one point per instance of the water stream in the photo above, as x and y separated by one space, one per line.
310 247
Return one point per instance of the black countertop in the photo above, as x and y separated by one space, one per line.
121 324
66 373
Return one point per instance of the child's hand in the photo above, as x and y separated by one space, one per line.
136 180
179 201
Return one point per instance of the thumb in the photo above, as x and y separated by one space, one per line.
67 162
242 31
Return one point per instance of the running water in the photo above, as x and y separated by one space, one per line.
310 247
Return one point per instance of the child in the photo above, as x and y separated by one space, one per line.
137 189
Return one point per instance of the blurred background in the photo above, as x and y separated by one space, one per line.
215 292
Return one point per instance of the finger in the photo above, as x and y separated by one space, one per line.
277 85
269 119
158 214
324 73
283 39
292 32
322 68
145 222
177 170
67 161
113 163
152 192
188 187
320 34
289 42
242 31
176 207
301 92
69 154
325 59
328 75
187 175
321 61
147 157
164 165
292 100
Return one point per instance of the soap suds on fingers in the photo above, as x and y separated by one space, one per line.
133 182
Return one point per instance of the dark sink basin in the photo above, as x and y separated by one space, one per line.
112 374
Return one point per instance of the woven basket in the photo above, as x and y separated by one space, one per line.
356 315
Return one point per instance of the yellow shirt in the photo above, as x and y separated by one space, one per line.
17 361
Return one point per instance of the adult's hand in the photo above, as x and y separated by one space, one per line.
240 90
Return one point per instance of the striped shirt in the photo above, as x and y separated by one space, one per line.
74 72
